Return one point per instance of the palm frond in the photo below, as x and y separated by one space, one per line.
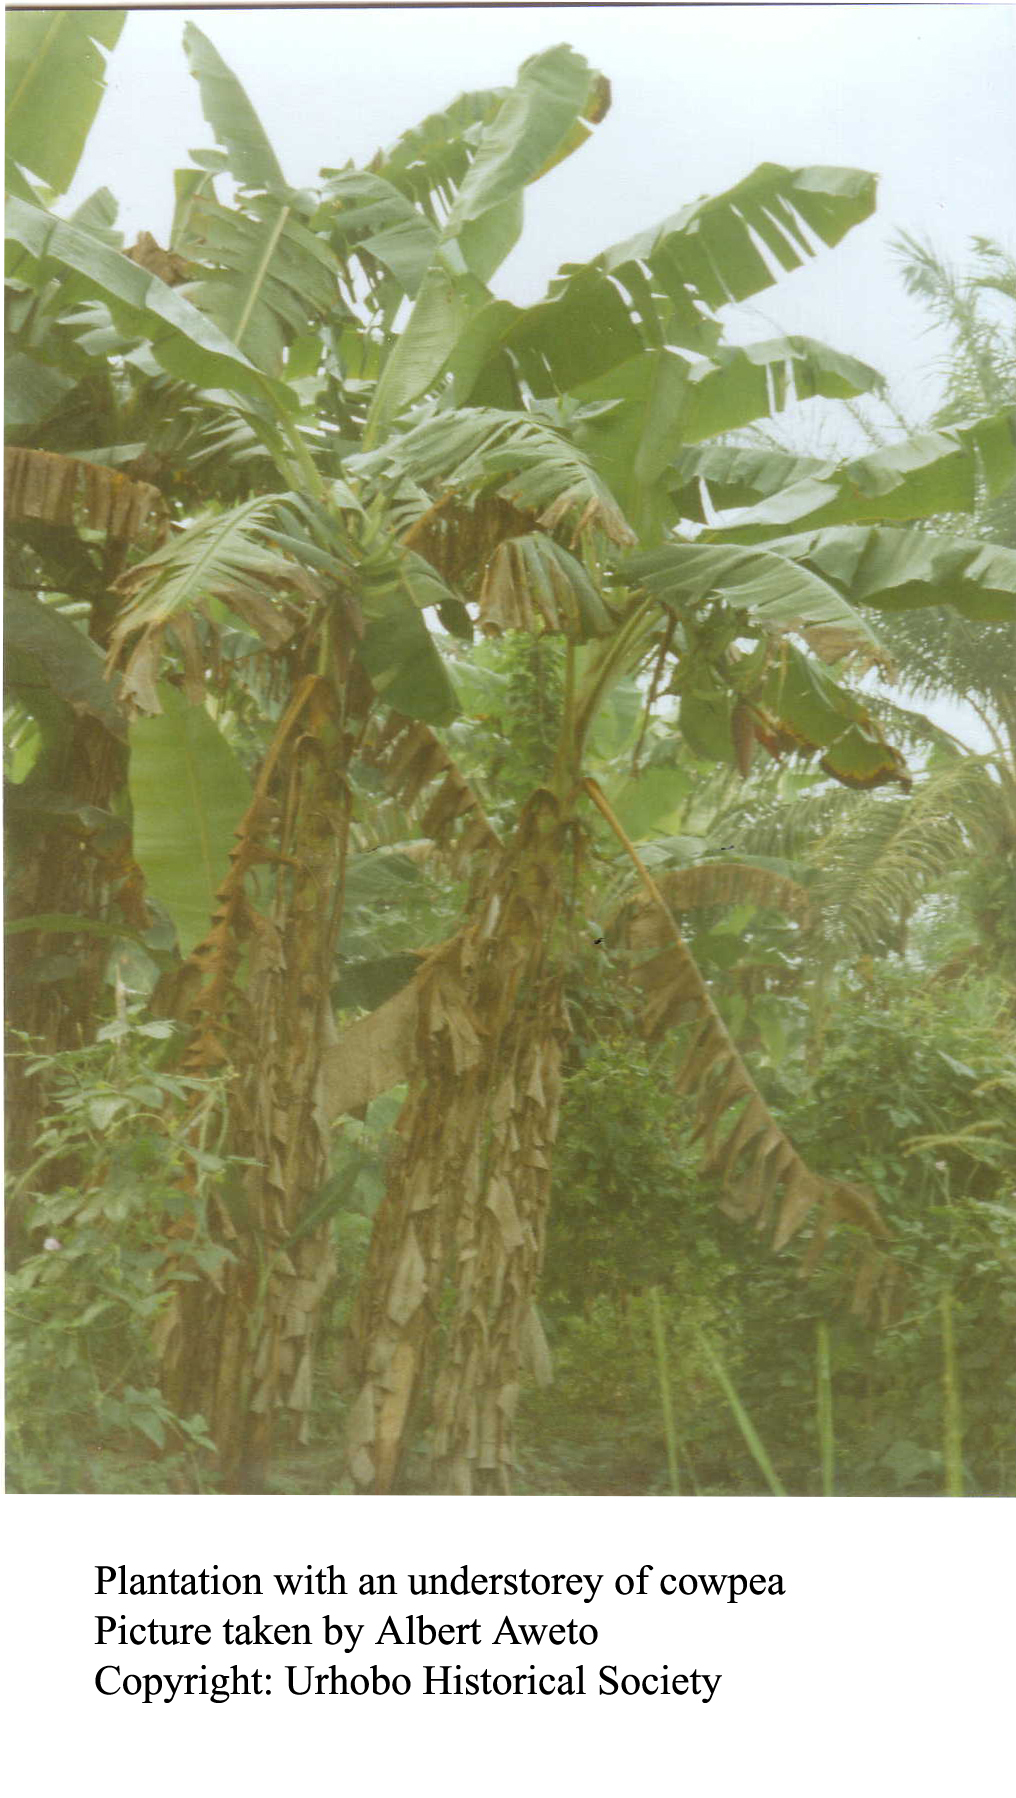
887 854
874 858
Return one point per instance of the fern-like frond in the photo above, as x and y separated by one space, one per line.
227 556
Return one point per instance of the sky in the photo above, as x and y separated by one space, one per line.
920 94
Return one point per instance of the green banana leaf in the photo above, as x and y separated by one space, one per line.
260 274
764 583
237 128
32 390
397 650
661 286
796 707
183 341
932 472
60 654
74 924
534 124
269 278
224 554
521 458
896 569
428 163
738 475
738 385
642 413
532 130
368 216
188 793
55 82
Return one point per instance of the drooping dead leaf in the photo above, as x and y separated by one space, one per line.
642 925
459 539
531 584
744 1144
415 766
756 1158
59 490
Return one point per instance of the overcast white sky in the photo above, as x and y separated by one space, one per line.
921 94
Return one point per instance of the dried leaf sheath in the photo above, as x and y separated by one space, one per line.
470 1184
240 1351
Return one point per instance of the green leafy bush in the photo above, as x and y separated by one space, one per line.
84 1409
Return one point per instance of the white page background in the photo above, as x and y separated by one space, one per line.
886 1667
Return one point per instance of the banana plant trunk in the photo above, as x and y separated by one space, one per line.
467 1198
237 1344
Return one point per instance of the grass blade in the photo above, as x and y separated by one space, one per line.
824 1409
743 1421
952 1418
666 1398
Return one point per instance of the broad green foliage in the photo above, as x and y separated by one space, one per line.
47 649
226 555
883 566
84 1409
55 68
232 117
266 278
183 342
761 492
774 591
672 278
398 652
534 126
188 792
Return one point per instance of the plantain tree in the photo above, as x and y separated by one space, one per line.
350 433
